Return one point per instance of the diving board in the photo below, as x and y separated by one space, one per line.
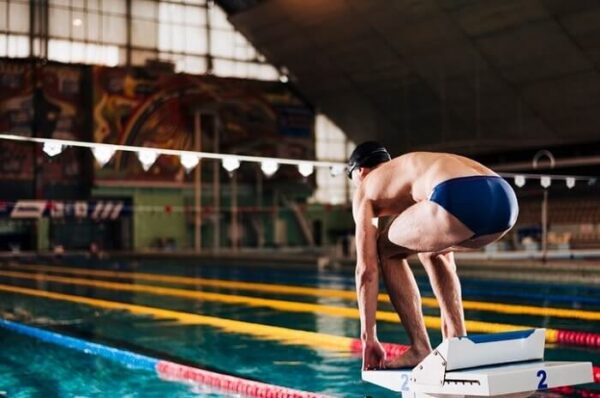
491 365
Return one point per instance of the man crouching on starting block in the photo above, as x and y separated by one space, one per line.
430 204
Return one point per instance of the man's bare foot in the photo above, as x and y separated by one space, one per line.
409 359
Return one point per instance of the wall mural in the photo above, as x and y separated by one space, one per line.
132 107
16 116
61 112
55 97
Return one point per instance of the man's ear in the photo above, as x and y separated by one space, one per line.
363 171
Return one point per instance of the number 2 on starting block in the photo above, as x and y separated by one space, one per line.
542 376
404 379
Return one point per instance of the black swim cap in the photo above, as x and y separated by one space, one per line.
367 154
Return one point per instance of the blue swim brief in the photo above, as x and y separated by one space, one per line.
485 204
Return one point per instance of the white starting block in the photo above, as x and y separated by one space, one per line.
501 364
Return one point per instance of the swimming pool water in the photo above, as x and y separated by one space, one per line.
37 368
30 368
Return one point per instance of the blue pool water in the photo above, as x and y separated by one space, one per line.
31 368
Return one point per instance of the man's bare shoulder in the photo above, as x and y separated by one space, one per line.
422 160
402 166
421 155
360 200
426 169
389 179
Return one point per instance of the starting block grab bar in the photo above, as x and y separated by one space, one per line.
509 363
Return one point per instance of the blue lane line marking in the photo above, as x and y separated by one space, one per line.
126 358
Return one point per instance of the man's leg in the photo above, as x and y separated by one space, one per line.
426 227
441 270
405 297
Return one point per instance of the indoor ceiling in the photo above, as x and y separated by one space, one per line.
471 76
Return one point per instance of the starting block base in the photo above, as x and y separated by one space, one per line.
518 380
441 375
395 380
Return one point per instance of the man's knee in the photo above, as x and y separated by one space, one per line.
426 257
428 261
436 262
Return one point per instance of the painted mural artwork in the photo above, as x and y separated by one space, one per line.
134 107
62 114
54 96
16 116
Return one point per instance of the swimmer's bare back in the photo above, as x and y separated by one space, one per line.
408 179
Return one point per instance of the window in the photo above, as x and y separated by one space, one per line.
86 53
188 33
87 31
15 46
233 54
331 145
14 28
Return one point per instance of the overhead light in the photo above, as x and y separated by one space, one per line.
545 181
570 182
336 170
306 169
77 22
269 167
231 164
103 154
336 200
520 181
147 157
284 74
188 161
52 148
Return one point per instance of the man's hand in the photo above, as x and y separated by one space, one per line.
373 355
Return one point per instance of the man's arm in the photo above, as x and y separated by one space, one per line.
367 273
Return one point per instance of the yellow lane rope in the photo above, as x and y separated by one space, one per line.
430 322
315 292
283 335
